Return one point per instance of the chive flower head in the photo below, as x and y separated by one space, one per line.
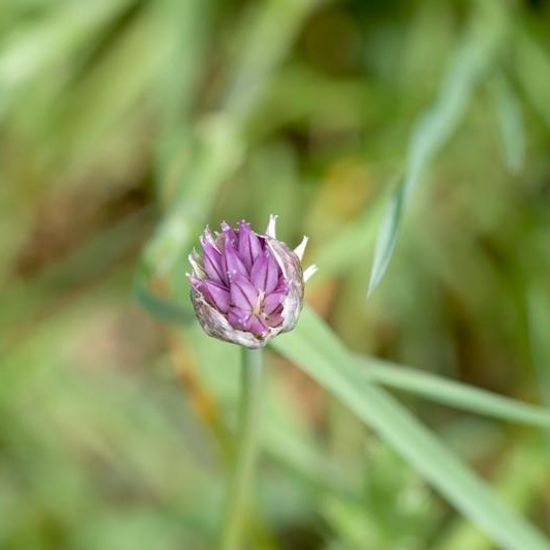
247 287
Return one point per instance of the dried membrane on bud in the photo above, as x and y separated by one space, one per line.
247 287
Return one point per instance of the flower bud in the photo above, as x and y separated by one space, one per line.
247 287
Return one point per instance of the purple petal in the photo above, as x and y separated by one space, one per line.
272 302
238 318
243 293
281 285
265 273
273 272
249 244
275 319
229 234
216 294
214 263
234 265
256 325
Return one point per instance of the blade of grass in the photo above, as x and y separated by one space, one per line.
532 66
524 471
435 127
438 389
451 393
423 384
537 317
510 121
220 145
181 34
387 237
45 42
440 467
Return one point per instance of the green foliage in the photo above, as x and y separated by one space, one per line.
409 140
322 357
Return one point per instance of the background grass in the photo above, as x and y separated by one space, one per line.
409 139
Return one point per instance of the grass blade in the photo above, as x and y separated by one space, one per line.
451 393
510 120
523 472
432 131
440 467
433 387
220 144
387 238
531 66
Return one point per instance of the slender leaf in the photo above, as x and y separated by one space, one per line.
33 53
510 120
451 393
335 371
387 238
532 66
220 146
433 387
181 35
432 131
522 473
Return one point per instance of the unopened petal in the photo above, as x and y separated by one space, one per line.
256 325
265 273
216 294
214 264
275 319
249 244
239 317
229 234
234 264
243 293
272 302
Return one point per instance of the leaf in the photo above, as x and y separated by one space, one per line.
451 393
510 120
532 66
333 368
180 36
33 53
431 386
219 146
519 478
431 132
387 239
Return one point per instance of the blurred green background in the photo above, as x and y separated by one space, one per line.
126 125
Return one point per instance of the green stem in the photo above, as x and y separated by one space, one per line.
238 505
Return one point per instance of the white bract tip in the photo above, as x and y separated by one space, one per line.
300 249
271 230
309 272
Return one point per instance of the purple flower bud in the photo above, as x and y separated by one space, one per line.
247 287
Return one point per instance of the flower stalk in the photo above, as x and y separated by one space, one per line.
246 288
238 506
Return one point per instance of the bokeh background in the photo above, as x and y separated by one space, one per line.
126 125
